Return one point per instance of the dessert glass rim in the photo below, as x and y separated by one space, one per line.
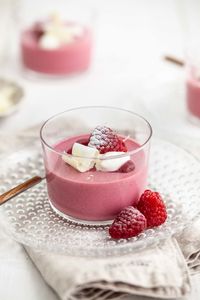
128 153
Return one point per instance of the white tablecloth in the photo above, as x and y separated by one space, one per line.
131 37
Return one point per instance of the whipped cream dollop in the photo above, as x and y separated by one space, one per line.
49 41
105 164
57 33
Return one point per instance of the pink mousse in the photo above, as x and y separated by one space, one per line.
68 58
193 96
93 195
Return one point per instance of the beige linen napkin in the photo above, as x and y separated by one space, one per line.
189 242
157 272
162 271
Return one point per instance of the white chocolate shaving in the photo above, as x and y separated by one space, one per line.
83 158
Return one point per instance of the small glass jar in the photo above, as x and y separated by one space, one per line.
189 13
56 38
94 195
193 84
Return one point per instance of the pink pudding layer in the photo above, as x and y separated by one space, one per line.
93 195
193 97
68 58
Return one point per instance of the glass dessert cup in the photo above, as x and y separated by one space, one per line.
57 41
193 98
193 84
94 196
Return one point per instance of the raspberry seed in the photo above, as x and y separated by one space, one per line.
127 167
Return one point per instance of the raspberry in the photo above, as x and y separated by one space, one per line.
105 140
153 208
127 167
38 29
129 223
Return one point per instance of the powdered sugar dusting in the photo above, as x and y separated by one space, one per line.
100 136
105 140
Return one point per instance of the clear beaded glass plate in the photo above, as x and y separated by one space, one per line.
29 218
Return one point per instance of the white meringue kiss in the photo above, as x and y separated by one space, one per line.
56 34
83 158
49 41
110 165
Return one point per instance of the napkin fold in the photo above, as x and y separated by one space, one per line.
157 272
189 242
160 272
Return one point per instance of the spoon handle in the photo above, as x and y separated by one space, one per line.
20 188
174 60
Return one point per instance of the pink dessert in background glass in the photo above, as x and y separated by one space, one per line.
98 192
56 48
193 96
193 82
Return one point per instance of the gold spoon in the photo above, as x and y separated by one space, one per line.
20 188
174 60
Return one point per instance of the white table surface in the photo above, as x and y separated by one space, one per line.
131 37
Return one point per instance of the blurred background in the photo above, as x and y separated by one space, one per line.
60 54
129 41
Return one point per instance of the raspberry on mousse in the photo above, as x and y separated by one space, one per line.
105 140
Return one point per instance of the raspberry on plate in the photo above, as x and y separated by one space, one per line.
129 223
127 167
105 140
153 208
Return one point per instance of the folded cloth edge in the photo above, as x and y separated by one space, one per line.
118 288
